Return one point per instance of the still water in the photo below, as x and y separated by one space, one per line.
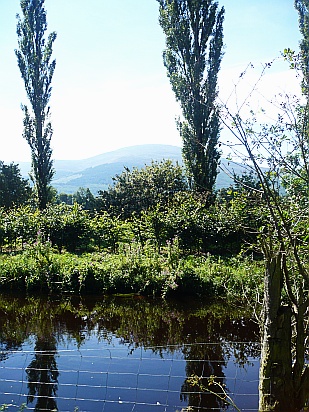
126 354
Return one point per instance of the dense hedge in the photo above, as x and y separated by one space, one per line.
216 229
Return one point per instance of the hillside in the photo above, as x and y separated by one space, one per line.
96 172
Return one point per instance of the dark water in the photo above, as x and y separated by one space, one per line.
126 354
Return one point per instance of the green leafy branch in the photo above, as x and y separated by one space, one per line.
195 380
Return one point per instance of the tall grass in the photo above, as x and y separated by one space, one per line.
132 270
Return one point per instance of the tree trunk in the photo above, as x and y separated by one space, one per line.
276 392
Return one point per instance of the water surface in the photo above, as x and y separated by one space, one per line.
125 354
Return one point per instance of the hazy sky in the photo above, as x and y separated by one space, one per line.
110 87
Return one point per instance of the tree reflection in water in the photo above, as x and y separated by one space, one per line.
221 336
209 362
42 374
206 335
35 318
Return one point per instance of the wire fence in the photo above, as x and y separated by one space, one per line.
131 379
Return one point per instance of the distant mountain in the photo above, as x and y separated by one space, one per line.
96 172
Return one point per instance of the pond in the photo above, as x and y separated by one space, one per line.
126 354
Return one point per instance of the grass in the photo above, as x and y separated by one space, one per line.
131 270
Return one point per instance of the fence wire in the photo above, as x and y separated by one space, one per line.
110 378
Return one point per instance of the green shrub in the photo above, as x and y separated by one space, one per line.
132 270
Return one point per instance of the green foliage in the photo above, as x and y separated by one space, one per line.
14 190
215 229
66 198
140 189
82 197
66 226
85 198
194 41
302 6
37 69
247 183
216 388
198 228
109 231
235 278
17 226
44 270
161 252
133 270
153 226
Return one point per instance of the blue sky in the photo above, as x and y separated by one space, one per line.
110 88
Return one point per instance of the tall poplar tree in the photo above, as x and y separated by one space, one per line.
37 69
194 41
302 6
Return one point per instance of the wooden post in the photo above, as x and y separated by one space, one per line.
276 392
